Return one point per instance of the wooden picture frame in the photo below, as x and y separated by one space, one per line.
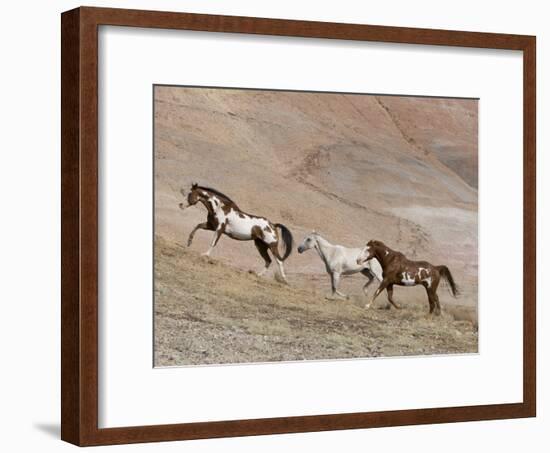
79 169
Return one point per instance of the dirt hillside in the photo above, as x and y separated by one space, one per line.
352 167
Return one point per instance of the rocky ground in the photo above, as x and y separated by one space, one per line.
208 312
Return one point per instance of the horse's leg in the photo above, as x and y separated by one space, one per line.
434 286
281 269
389 290
262 248
274 249
215 239
335 281
435 297
437 310
429 292
332 285
370 276
383 285
200 226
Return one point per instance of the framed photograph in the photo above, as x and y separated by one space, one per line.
276 226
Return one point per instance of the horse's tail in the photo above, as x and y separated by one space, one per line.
446 274
287 239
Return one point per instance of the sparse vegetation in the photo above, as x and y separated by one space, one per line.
208 312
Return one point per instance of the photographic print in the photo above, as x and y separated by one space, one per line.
293 225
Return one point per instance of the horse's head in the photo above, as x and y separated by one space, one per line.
368 252
192 196
309 242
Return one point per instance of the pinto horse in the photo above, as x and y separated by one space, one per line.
340 260
225 217
398 270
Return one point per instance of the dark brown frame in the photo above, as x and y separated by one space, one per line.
79 216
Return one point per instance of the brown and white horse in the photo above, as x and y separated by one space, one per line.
399 270
225 217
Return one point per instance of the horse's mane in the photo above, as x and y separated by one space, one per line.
381 244
388 249
218 193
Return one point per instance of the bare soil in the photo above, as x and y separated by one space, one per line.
352 167
209 312
402 170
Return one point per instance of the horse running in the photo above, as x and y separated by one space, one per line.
225 217
398 270
341 260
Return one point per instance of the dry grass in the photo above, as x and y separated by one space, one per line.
207 312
